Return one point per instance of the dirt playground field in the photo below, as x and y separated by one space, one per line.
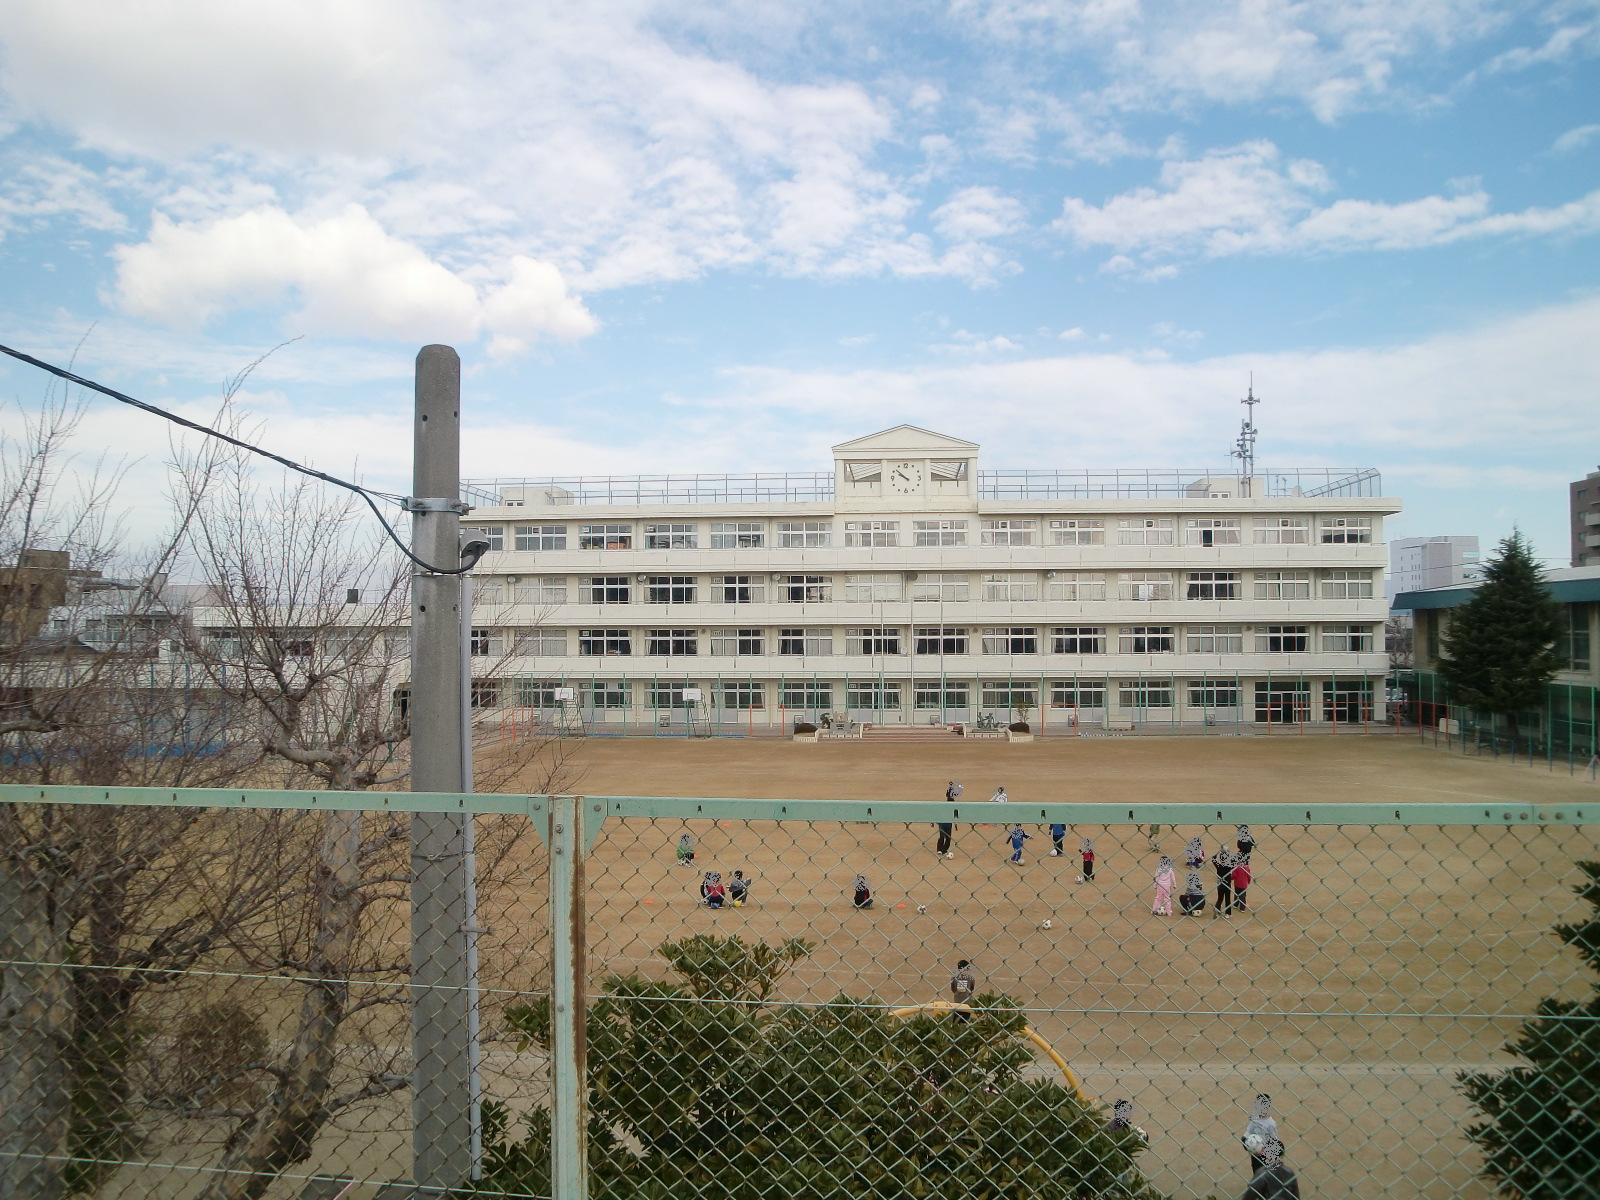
1371 966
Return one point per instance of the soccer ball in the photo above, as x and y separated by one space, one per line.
1080 878
1053 853
922 908
1046 924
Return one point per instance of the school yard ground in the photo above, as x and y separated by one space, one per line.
1371 967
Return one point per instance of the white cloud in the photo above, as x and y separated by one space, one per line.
963 342
349 276
1575 139
41 189
977 214
1580 39
1247 200
1075 334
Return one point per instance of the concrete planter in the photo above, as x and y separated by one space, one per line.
806 737
1018 737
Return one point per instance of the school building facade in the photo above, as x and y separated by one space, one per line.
909 585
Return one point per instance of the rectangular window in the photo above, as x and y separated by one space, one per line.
738 535
1078 531
609 693
872 640
669 695
733 642
1347 585
1283 703
1140 694
541 643
1077 693
1354 639
604 642
1348 701
939 533
1008 532
670 537
1011 640
1010 695
1145 639
669 589
605 537
807 641
1213 693
864 472
1011 585
1346 530
1214 639
935 639
1576 643
1283 639
873 696
1211 531
609 589
540 589
1075 585
948 470
807 589
743 589
872 533
1283 585
801 535
1078 639
672 643
1145 531
872 587
542 537
495 535
806 694
1146 586
484 643
927 696
536 693
744 695
485 693
488 592
1283 531
951 589
1212 585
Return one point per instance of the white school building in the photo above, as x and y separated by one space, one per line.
911 585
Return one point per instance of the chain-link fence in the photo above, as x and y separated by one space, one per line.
752 998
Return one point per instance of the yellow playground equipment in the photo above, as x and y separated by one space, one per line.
1028 1032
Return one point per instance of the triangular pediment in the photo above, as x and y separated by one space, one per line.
904 439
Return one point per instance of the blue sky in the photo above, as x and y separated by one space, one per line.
689 237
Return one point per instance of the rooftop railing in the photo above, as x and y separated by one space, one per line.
815 487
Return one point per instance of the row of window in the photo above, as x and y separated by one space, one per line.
955 531
1285 701
930 640
1071 586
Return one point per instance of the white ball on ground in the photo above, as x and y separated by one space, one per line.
922 908
1053 853
1045 924
1080 878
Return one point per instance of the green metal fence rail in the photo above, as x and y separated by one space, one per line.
639 1042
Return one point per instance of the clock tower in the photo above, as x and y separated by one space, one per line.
905 468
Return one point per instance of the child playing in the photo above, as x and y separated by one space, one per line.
1222 863
863 893
1058 836
738 889
1193 901
686 851
1241 879
712 891
1194 853
1088 859
1016 837
1166 877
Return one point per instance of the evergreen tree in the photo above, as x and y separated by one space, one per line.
1540 1136
707 1087
1500 647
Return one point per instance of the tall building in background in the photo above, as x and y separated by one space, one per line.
1416 564
1585 496
908 585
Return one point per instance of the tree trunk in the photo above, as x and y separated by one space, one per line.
282 1135
35 1037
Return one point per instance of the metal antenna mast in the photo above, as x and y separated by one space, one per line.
1244 446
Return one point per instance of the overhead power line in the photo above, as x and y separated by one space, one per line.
366 494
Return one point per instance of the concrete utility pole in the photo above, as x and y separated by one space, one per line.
444 1086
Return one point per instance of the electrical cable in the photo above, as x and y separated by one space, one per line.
366 494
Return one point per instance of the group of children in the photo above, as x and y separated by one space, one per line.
713 892
1233 875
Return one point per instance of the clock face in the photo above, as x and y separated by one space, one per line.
906 477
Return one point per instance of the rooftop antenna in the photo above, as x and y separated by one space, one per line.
1244 446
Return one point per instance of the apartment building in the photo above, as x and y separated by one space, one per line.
1583 501
1446 560
909 585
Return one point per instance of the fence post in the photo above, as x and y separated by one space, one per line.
569 1115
